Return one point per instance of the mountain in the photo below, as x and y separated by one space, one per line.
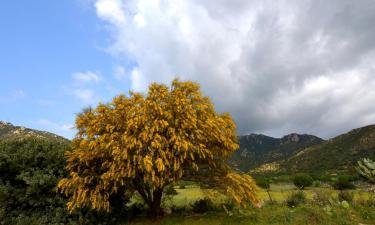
10 132
257 149
339 154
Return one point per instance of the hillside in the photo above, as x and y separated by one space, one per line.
337 154
257 149
8 131
31 162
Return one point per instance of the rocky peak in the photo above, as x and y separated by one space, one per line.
5 124
293 137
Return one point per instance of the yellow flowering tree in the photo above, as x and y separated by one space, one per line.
141 143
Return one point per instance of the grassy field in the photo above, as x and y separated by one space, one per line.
278 213
279 192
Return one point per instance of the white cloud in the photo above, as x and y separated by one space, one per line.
85 77
111 10
87 96
276 66
119 73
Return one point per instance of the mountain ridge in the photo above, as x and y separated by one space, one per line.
340 153
8 131
257 149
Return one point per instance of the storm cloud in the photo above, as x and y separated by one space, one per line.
278 67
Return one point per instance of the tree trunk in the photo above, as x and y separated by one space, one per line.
269 195
155 204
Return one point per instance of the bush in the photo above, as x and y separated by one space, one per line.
180 210
203 205
169 190
263 182
343 183
296 199
321 198
346 196
182 186
302 180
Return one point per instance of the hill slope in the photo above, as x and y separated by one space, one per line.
8 131
257 149
339 153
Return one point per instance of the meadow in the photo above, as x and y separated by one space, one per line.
322 206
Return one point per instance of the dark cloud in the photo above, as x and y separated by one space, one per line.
276 66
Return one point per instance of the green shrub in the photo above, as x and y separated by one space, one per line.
296 199
302 180
182 186
203 205
343 183
169 190
346 196
321 198
180 210
263 182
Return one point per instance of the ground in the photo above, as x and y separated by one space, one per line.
309 213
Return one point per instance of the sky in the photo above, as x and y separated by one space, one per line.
305 66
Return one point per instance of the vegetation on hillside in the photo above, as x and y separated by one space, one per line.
30 168
257 149
337 155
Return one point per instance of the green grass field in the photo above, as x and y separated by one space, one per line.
279 213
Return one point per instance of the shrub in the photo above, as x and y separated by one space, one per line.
346 196
202 205
321 198
296 199
169 190
135 209
263 182
180 210
302 180
343 183
182 186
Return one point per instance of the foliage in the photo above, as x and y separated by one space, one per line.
321 198
303 180
203 205
296 199
29 170
343 182
169 190
142 143
347 196
366 167
263 182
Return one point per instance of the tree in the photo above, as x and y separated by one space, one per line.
142 143
265 184
366 167
343 182
302 180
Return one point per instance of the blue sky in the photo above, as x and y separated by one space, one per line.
276 66
43 44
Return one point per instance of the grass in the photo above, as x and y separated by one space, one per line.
278 213
272 214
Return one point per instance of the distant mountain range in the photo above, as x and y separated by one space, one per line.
339 154
258 149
